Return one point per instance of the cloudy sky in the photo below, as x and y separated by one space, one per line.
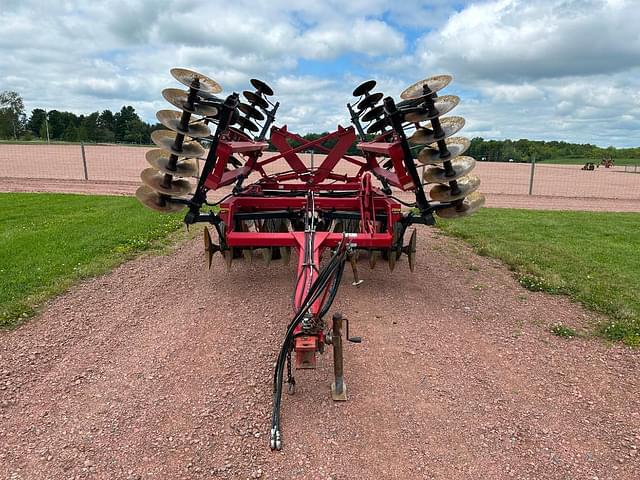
549 69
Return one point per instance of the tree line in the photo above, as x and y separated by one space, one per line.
524 150
126 126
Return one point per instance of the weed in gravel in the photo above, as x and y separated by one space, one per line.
534 283
560 330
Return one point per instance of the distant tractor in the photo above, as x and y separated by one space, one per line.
607 162
588 166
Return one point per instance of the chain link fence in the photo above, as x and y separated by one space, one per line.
123 163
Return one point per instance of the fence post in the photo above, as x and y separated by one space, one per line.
533 169
84 161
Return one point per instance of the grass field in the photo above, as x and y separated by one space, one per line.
582 161
49 241
592 257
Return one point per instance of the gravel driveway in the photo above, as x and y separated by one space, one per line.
162 370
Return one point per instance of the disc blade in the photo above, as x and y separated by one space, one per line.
378 126
450 126
157 181
444 193
207 246
250 111
166 139
434 84
255 99
455 145
156 201
160 160
172 120
247 124
364 88
443 105
178 98
461 166
373 114
412 251
196 80
370 101
469 205
262 87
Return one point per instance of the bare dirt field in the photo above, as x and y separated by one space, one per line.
457 377
116 170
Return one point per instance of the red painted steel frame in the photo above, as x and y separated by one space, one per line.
386 146
259 197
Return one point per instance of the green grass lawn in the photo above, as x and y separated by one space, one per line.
592 257
582 161
49 241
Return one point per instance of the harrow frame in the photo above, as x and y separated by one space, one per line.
312 209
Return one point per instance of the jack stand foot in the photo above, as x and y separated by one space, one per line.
339 397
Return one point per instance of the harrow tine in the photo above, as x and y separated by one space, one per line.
374 255
353 260
209 247
285 252
228 258
247 253
393 256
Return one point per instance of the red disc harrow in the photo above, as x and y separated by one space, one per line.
327 217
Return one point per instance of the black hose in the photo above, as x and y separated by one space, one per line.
334 267
333 291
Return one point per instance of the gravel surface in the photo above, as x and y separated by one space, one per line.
162 370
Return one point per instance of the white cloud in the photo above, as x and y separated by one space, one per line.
515 40
549 69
